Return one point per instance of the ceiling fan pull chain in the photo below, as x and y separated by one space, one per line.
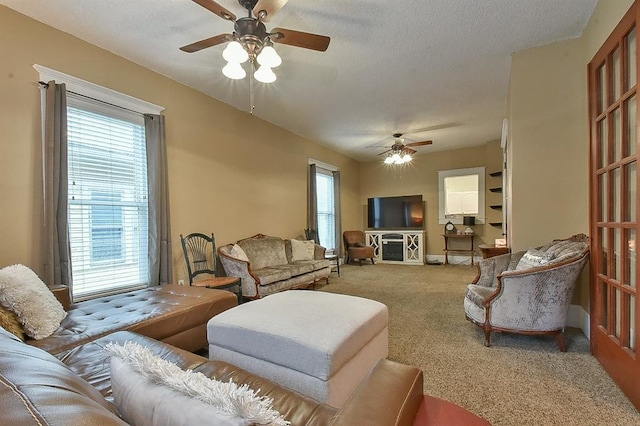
251 92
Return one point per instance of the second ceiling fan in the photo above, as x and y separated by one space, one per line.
250 39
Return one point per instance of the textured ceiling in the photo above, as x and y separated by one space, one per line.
435 69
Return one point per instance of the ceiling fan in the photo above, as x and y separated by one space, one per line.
399 153
251 40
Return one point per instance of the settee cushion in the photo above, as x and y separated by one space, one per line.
271 275
264 251
478 294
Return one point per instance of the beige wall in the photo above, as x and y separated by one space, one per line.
421 177
548 136
230 173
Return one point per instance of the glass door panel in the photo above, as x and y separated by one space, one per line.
616 73
603 189
603 155
632 323
603 318
602 93
631 183
630 50
631 111
604 243
631 278
617 265
617 135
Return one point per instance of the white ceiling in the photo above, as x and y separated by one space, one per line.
435 69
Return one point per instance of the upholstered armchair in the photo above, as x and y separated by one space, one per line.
527 292
354 243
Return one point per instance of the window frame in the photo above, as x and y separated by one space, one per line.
457 219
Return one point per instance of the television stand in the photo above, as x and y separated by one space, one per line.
399 246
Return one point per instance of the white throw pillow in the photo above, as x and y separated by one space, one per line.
534 258
237 252
22 292
149 390
302 250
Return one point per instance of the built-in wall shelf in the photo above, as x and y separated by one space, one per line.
496 174
496 207
497 189
497 224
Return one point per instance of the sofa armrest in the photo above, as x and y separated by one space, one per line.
319 252
239 268
390 395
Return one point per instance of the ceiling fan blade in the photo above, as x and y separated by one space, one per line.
300 39
265 9
409 150
207 42
214 7
419 143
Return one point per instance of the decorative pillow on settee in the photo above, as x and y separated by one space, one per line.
534 258
302 250
149 390
37 309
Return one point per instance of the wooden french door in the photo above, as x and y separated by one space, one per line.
613 115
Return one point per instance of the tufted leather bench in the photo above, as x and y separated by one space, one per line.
170 313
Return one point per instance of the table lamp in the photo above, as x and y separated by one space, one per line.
468 221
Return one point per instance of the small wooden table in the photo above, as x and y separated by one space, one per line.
468 251
489 250
222 283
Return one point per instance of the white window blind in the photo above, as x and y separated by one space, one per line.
326 209
108 209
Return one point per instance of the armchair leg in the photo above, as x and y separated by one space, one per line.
372 262
487 336
560 340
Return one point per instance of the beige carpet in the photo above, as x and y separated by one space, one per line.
519 380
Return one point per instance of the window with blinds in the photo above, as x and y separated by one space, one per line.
326 209
108 210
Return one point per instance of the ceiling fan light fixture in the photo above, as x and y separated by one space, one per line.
268 57
406 158
234 71
388 160
265 74
235 53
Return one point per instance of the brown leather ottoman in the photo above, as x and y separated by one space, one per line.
170 313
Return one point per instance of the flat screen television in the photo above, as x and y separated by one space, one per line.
404 212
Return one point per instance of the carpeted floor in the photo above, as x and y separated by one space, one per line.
519 380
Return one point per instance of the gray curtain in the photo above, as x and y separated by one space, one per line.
338 212
160 258
312 199
57 255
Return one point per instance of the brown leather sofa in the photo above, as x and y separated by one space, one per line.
173 314
74 387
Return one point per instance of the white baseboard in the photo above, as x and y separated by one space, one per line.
579 318
455 259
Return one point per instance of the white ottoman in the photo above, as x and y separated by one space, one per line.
319 344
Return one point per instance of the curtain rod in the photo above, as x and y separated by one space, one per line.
46 85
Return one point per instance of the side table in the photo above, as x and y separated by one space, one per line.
331 258
468 251
489 250
222 283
